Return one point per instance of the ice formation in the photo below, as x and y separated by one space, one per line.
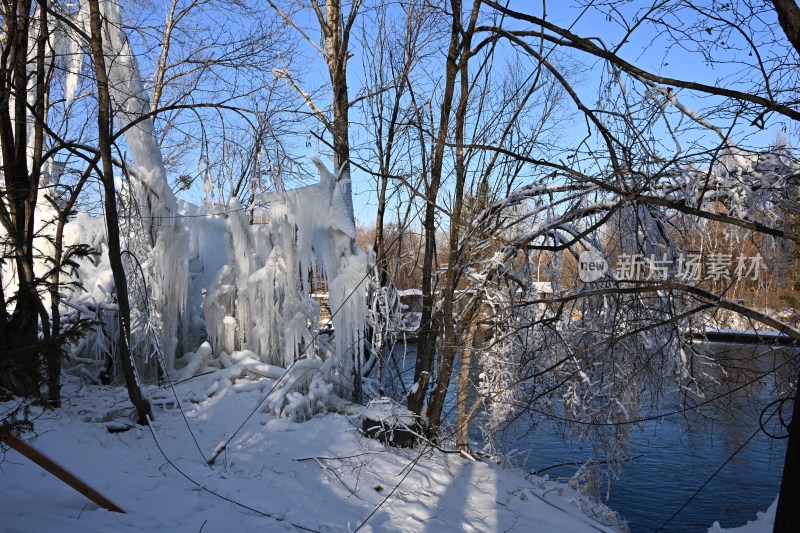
261 299
258 305
157 237
255 283
217 285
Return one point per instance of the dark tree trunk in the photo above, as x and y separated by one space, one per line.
457 58
789 19
429 330
51 328
787 516
336 31
455 253
104 124
20 357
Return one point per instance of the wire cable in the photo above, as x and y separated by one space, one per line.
780 402
717 471
214 493
160 355
408 468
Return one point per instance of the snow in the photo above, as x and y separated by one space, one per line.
544 287
194 361
753 332
384 410
762 524
409 292
322 475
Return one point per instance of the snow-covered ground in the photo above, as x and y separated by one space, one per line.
320 475
762 524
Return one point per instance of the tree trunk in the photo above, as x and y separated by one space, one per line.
462 396
789 19
787 516
104 124
336 44
449 348
52 348
429 331
457 66
19 332
337 36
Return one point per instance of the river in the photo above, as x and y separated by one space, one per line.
676 455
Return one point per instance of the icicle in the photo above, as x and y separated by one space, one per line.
167 251
266 286
74 52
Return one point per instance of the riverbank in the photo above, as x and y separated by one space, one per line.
675 455
276 475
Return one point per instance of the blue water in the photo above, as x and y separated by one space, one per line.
674 461
676 456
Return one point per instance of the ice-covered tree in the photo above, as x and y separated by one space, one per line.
662 156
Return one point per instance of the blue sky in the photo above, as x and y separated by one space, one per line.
643 50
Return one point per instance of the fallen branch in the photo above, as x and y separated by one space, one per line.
59 471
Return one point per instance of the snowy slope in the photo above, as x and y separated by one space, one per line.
322 475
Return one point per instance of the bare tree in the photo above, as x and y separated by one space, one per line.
645 170
23 95
105 126
390 53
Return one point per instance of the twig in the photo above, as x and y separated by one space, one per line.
332 471
577 463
